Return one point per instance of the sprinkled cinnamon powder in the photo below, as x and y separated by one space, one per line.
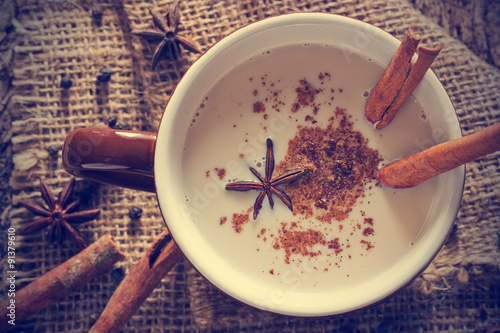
239 220
343 162
298 242
369 221
334 244
259 107
221 173
271 97
368 244
305 96
368 232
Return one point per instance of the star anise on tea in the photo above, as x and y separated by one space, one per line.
268 185
57 215
169 40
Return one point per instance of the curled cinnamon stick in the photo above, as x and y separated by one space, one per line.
425 58
61 281
399 80
392 79
443 157
138 284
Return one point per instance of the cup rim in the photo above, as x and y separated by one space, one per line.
172 213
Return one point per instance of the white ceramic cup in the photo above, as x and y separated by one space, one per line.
351 36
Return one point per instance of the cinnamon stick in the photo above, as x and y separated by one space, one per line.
59 282
425 58
399 80
138 284
392 79
443 157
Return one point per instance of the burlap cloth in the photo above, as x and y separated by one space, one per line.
460 291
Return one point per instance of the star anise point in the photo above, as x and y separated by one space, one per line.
267 185
170 41
58 216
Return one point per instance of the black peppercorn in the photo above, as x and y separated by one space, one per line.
97 13
66 82
122 126
104 75
135 212
53 151
112 121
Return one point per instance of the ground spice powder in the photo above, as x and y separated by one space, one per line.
344 165
344 168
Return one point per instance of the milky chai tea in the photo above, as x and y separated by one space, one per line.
344 228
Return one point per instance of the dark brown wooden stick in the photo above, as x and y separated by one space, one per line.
443 157
137 285
61 281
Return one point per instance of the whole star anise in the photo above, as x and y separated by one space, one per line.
167 36
267 185
58 215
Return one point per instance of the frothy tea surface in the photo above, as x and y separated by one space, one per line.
309 99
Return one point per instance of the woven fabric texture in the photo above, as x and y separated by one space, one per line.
56 39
